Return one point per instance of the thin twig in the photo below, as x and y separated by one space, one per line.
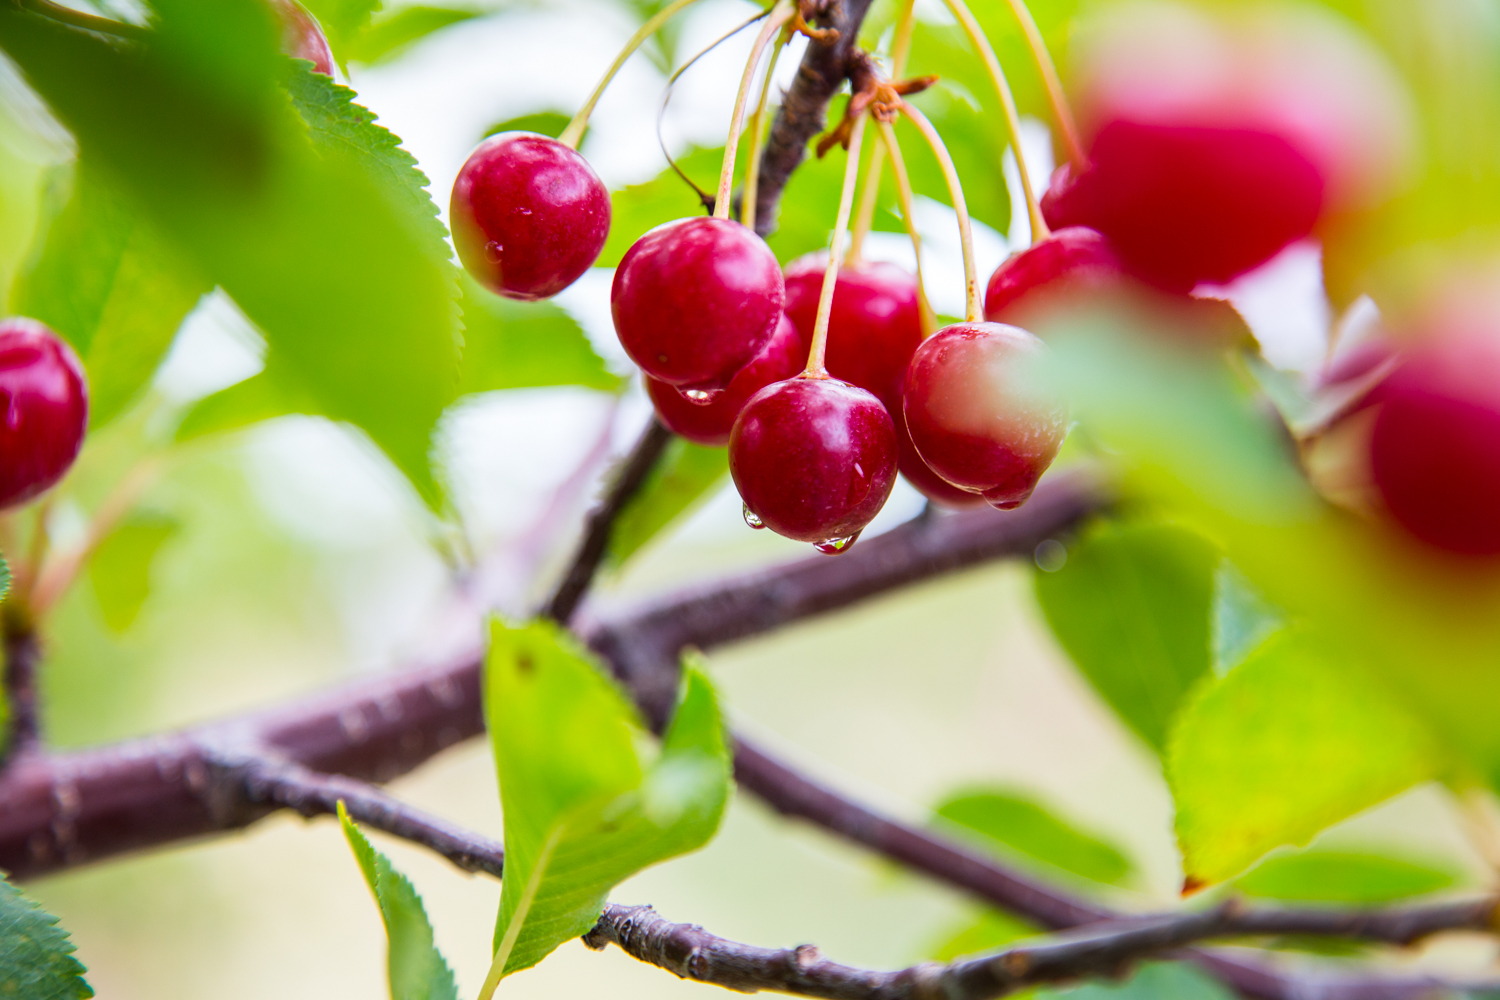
23 653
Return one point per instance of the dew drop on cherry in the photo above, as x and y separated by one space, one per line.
833 546
700 397
751 519
494 252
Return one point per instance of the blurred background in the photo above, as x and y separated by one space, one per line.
281 559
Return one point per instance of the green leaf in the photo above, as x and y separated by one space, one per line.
1015 823
1243 619
36 957
112 287
1152 981
120 568
549 123
389 37
316 224
1341 877
584 810
992 929
416 969
1286 744
665 197
343 21
260 397
686 475
512 345
4 578
1133 607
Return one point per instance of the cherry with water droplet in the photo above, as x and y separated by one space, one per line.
1185 203
695 300
975 415
1435 443
1069 265
302 36
750 519
529 215
814 459
44 409
709 423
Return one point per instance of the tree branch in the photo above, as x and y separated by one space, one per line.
22 652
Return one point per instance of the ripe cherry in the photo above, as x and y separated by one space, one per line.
1068 264
695 300
972 416
1435 445
917 472
44 409
814 459
710 423
874 326
529 215
1184 204
302 37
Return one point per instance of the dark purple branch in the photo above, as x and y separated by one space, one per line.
22 652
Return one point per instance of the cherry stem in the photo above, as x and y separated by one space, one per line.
815 358
870 189
780 14
573 134
973 308
903 192
960 10
1055 94
758 133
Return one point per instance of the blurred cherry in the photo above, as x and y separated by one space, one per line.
302 37
814 459
529 215
1058 270
710 423
695 300
44 409
974 416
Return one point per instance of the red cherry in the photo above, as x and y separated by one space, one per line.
529 215
814 459
44 409
1435 445
1184 204
973 419
928 483
875 323
695 300
302 37
709 424
1070 263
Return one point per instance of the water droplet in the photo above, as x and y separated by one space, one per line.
525 211
751 519
700 397
493 251
834 546
1051 555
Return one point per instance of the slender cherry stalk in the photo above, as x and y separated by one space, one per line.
982 45
974 309
1055 94
573 134
870 187
815 359
889 144
758 133
780 14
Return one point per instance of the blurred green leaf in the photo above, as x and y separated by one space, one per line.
318 228
120 568
1283 746
416 969
36 957
1242 618
992 929
343 21
389 37
665 197
1341 877
4 578
1151 981
685 477
1016 823
584 810
103 279
260 397
1133 607
512 345
542 123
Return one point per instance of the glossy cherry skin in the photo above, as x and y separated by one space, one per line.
710 423
875 323
1435 444
302 37
974 416
926 482
1068 264
529 215
814 458
695 300
44 409
1185 204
